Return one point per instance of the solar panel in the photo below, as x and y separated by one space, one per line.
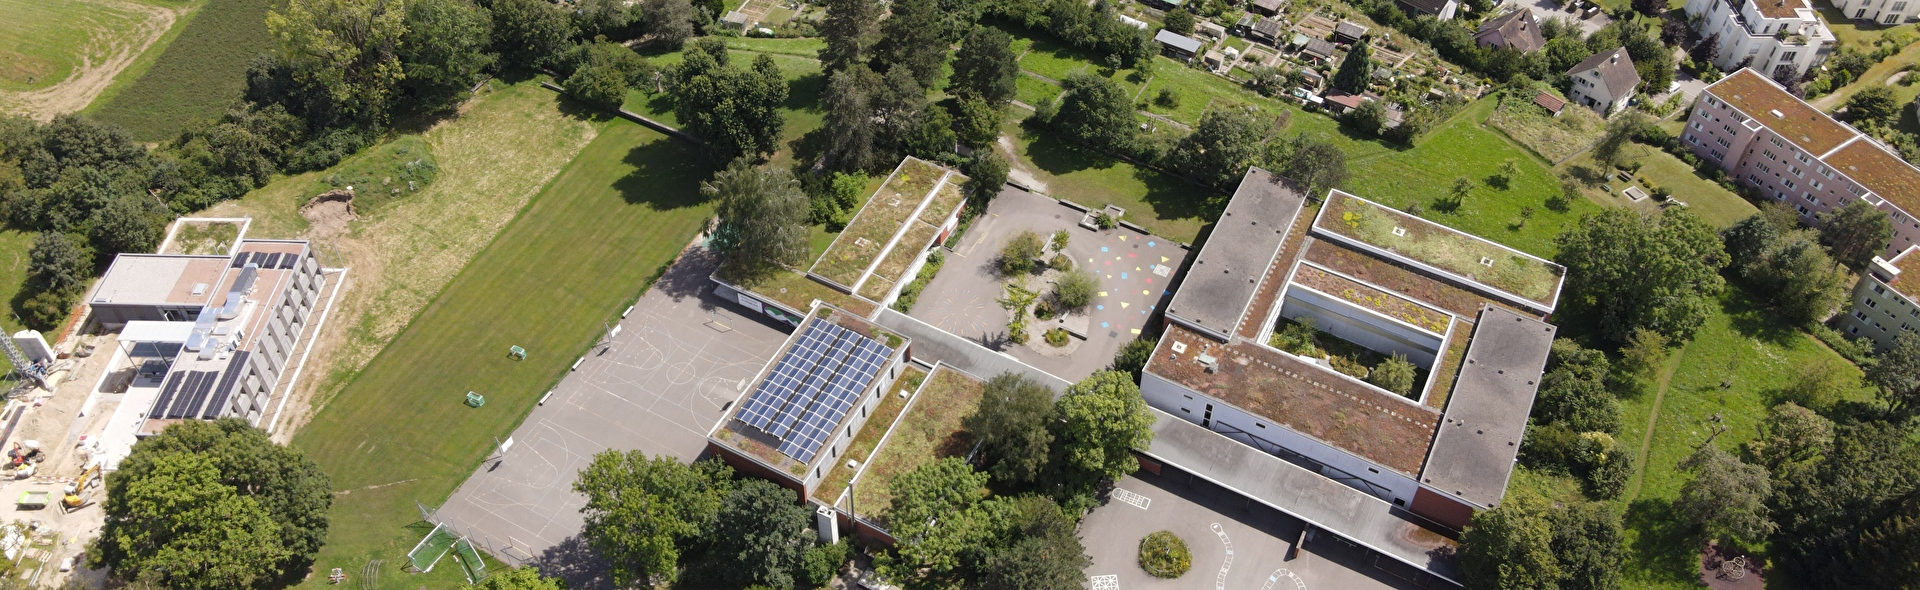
240 260
273 261
227 380
813 386
186 391
166 395
289 260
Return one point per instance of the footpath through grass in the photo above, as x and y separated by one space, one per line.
1734 370
196 76
582 249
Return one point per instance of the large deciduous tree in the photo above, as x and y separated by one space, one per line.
1726 499
669 22
1589 544
445 52
1874 104
1785 264
641 512
530 33
849 30
984 68
347 50
737 110
1897 375
762 532
763 217
214 505
1102 419
1634 270
1509 548
1095 111
1312 161
1219 149
1011 427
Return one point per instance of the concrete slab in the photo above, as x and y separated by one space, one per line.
1129 265
657 387
1235 543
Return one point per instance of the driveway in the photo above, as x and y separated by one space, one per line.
1235 543
1545 9
1134 270
657 387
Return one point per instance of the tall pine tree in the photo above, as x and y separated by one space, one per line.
1355 70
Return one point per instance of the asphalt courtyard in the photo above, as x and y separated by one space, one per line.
1134 269
1235 543
657 386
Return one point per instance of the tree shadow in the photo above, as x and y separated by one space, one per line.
1752 319
667 174
1665 548
575 563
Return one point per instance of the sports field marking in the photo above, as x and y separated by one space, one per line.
1106 582
1137 500
1220 580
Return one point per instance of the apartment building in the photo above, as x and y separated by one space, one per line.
1886 301
1886 12
1776 37
1793 153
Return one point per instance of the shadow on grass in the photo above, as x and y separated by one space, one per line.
1665 551
1170 197
1752 319
666 176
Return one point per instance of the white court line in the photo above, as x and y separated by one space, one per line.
1137 500
1298 584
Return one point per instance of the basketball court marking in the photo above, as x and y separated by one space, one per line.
1106 582
1137 500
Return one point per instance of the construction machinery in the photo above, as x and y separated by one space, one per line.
79 494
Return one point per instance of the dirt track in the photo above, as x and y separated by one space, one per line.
89 79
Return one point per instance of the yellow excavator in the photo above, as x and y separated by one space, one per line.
80 492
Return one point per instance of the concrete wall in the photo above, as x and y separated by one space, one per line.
1361 326
1241 426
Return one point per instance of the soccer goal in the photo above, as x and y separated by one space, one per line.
429 550
470 562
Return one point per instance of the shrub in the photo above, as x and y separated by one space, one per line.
1167 99
1017 331
1058 337
1348 366
1060 262
1165 555
911 293
1044 310
1017 256
1075 289
1394 374
1105 221
1059 241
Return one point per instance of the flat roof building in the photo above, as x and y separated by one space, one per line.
1886 300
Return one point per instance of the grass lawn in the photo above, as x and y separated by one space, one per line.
929 430
13 273
869 438
1712 202
1462 147
198 74
804 87
399 433
1198 91
1553 138
41 43
809 47
1165 205
1732 369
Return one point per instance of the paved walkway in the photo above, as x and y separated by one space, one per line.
658 387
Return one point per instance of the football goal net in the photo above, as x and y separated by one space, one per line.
470 562
429 550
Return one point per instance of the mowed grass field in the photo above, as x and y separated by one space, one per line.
196 76
588 244
41 43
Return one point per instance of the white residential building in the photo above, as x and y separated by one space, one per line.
1886 12
1770 36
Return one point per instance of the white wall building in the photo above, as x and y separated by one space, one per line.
1886 12
1776 35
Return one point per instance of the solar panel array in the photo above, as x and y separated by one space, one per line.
813 386
198 394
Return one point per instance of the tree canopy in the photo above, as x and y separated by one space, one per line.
1633 270
763 216
1897 375
445 52
1101 420
642 513
1726 499
913 37
1011 427
984 67
1220 148
1095 111
762 533
736 110
1856 232
214 505
1356 69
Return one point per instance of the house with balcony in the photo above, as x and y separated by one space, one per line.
1793 153
1779 38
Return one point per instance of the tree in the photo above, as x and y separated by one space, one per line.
1101 420
1659 272
1509 548
1589 544
1822 385
1581 403
669 22
984 67
128 224
912 37
522 578
1611 150
1673 28
1095 111
1012 428
1179 21
848 29
1791 436
762 532
1018 254
927 513
1875 103
444 52
1039 551
849 126
1824 512
1706 50
1649 7
58 268
1897 375
1356 70
344 49
899 104
642 512
934 137
1369 118
1074 289
530 33
1132 357
1643 353
1462 188
1394 374
1726 499
1220 148
1856 232
737 110
821 563
763 216
1784 264
601 85
986 175
1316 163
214 505
976 122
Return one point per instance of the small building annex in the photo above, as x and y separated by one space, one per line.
1371 283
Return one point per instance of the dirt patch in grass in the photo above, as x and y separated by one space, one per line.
203 237
102 57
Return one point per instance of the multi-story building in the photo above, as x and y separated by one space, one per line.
1777 37
1604 82
1795 154
1886 301
1886 12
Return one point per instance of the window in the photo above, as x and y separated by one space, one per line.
1827 172
1723 142
1753 178
1809 198
1803 210
1696 125
1899 6
1802 158
1778 143
1871 304
1713 102
1765 169
1788 183
1891 19
1717 155
1816 185
1727 128
1768 154
1794 170
1691 139
1855 189
1859 315
1879 290
1788 56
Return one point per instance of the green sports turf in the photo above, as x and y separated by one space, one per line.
198 75
582 250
